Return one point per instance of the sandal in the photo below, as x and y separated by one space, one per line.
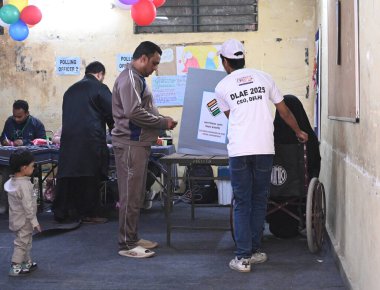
137 252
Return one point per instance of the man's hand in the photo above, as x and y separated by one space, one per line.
18 142
171 123
38 228
302 136
7 142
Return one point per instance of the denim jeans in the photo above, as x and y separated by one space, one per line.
250 180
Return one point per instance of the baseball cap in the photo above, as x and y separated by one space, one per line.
230 49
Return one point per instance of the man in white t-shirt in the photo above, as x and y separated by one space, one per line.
245 96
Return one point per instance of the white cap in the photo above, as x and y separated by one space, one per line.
230 48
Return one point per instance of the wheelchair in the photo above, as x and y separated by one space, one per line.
297 199
297 202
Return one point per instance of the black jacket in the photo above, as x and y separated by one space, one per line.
30 129
283 134
86 110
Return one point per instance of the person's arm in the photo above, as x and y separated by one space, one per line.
27 204
5 135
103 104
130 90
289 119
40 131
222 103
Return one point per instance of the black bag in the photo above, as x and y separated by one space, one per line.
203 190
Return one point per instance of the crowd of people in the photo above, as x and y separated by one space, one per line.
89 107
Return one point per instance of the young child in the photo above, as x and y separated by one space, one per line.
22 211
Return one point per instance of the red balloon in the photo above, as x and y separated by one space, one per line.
143 12
158 3
31 15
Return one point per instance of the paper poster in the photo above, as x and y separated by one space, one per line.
199 56
212 122
168 90
122 59
67 65
167 55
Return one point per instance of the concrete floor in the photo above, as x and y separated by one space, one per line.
86 258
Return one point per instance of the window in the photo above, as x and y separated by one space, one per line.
179 16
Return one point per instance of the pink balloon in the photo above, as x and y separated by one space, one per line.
143 12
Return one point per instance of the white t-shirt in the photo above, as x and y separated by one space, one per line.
248 94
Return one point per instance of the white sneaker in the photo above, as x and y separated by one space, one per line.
240 265
258 257
147 244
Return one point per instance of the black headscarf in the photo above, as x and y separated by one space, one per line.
283 134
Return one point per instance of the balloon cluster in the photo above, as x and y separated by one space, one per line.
18 16
143 12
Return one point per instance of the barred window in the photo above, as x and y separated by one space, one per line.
180 16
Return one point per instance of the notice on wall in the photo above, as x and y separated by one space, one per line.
122 59
168 90
212 122
67 65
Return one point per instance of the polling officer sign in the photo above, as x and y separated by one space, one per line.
67 65
122 59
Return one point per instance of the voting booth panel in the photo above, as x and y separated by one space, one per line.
203 126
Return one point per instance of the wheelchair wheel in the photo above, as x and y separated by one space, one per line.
315 215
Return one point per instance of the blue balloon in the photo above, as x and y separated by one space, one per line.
19 30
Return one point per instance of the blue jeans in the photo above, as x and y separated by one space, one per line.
250 180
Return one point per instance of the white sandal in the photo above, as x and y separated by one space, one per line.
137 252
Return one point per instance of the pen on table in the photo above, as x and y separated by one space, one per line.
6 138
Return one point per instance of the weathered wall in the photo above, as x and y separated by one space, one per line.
351 159
92 30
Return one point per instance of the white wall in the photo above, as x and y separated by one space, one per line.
351 159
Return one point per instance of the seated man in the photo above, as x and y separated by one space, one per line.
21 128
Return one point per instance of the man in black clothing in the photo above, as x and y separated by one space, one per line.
21 128
83 156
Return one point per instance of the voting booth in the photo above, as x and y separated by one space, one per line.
204 126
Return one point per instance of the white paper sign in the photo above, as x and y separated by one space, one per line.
168 90
122 59
167 55
67 65
212 122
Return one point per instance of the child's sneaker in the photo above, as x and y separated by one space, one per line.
241 265
17 270
258 257
31 266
